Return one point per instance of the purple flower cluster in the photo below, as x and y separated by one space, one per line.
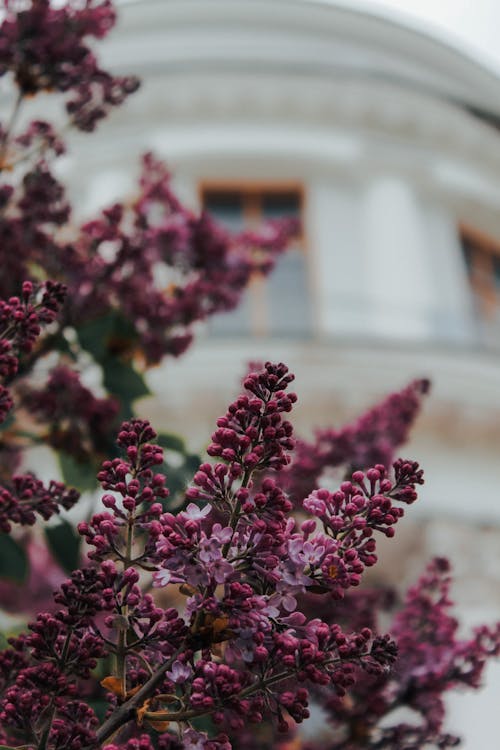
204 268
45 49
247 647
242 562
21 319
350 516
25 496
372 439
21 322
432 659
138 494
41 702
79 423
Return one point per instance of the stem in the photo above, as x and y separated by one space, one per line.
235 513
122 646
38 148
126 711
52 712
45 736
262 684
225 549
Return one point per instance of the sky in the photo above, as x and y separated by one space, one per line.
472 25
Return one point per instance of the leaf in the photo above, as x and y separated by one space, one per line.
99 708
192 463
81 475
172 442
13 560
178 477
176 481
111 340
8 422
64 543
121 380
107 334
94 334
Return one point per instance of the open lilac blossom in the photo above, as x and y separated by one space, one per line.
180 672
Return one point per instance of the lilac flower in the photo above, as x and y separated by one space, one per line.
305 553
315 504
194 513
179 673
371 439
220 570
162 577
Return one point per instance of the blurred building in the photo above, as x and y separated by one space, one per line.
386 142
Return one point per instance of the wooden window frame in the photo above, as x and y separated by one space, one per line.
481 250
252 193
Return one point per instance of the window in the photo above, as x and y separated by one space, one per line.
482 258
280 304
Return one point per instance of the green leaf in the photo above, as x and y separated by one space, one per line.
94 335
8 421
176 481
64 543
171 442
81 475
192 463
61 344
121 380
13 560
99 707
101 336
178 477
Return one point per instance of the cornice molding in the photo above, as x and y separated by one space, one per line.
307 37
410 126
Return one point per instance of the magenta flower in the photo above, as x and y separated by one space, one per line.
179 673
194 513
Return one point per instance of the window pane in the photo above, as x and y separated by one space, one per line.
287 287
280 304
468 254
482 256
288 296
276 205
226 207
496 272
237 322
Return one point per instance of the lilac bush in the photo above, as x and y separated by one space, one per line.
212 616
245 645
117 314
